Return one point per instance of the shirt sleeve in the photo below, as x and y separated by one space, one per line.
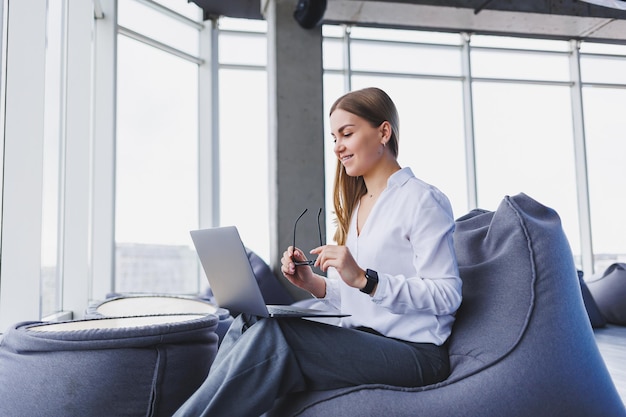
333 293
436 287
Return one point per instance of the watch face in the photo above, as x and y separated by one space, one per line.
371 275
372 280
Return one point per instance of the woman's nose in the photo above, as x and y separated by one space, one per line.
338 147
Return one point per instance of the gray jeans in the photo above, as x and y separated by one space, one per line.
260 360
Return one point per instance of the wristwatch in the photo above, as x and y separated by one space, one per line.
372 279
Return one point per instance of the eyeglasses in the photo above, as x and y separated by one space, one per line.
319 230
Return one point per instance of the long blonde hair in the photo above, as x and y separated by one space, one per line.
375 106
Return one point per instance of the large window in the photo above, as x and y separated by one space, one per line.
523 125
521 136
156 152
520 114
524 144
481 117
157 155
157 178
603 70
243 132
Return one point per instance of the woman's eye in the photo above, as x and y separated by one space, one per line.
347 135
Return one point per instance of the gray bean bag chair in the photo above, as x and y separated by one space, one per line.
122 367
522 344
596 318
609 293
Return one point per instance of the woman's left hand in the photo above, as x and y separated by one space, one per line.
340 258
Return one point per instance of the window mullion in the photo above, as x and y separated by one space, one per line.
580 155
468 112
103 156
78 147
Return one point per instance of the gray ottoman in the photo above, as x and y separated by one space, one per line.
127 366
151 304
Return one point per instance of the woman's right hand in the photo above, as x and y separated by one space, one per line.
301 276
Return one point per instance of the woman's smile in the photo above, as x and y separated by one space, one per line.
345 158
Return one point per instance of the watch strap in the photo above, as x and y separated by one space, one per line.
372 279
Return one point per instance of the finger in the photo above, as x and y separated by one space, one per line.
291 266
317 250
323 264
288 270
287 265
286 258
299 255
322 261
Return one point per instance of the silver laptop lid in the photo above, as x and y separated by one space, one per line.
226 265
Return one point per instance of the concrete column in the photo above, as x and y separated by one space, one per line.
296 131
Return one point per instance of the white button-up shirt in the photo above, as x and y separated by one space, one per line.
407 240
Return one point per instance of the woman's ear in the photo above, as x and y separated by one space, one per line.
385 132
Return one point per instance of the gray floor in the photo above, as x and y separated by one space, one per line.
612 343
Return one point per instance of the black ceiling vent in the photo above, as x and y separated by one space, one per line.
309 13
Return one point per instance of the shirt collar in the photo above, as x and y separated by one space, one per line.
399 178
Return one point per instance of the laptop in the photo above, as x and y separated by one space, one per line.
231 278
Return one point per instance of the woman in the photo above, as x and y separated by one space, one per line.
393 271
